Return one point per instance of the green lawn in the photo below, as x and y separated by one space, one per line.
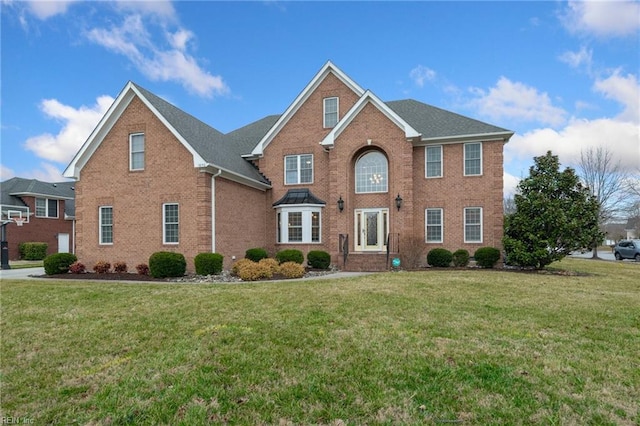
433 347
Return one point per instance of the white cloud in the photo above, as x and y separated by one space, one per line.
134 41
584 57
6 173
44 10
602 18
420 74
516 101
160 8
77 126
510 183
623 89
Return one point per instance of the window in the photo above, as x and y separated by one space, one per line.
106 225
136 151
330 112
46 207
170 219
472 159
371 173
299 224
473 225
433 225
433 164
298 169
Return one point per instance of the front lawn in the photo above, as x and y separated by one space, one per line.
433 347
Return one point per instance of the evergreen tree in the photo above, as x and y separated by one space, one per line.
555 215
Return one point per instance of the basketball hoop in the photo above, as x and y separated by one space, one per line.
19 221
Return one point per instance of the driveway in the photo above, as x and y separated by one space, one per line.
21 273
604 255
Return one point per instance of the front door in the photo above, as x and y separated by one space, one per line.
63 243
371 227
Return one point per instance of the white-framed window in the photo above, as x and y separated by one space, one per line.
372 172
330 110
299 224
136 151
47 207
170 223
433 161
106 224
473 225
433 225
298 169
473 159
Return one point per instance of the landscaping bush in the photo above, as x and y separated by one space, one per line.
101 267
487 257
208 263
439 258
33 251
143 269
163 264
292 270
256 254
460 258
120 267
58 263
290 255
235 269
318 259
272 264
77 268
254 271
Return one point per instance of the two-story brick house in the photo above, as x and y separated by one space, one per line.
340 170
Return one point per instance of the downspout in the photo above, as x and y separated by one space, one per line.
213 210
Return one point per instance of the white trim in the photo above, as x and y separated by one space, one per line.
213 210
383 224
131 151
164 224
299 169
477 137
426 148
100 239
355 173
426 240
324 111
306 210
464 159
464 229
46 208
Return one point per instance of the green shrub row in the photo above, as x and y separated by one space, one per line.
317 259
485 257
33 251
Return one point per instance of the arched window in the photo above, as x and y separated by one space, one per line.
372 172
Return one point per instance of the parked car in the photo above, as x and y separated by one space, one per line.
627 249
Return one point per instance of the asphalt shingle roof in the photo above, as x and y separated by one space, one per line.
12 189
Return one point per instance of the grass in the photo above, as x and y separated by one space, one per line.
434 347
23 264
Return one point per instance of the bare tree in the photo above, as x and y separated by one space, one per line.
509 205
607 182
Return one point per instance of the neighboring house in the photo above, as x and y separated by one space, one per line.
48 211
340 171
632 228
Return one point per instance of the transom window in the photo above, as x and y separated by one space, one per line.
372 173
299 224
433 161
170 224
46 207
298 169
473 159
473 225
330 112
433 225
106 225
136 151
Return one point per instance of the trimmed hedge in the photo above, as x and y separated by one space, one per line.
487 257
318 259
33 251
163 264
460 258
208 263
256 254
292 270
58 263
290 255
439 258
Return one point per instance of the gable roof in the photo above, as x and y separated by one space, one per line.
12 191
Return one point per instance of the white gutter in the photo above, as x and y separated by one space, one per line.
213 210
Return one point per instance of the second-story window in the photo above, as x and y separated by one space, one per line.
136 151
330 112
473 159
433 161
46 207
298 169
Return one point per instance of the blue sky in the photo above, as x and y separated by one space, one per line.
562 75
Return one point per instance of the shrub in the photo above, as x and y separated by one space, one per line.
290 255
487 257
143 269
460 258
58 263
77 268
101 267
318 259
254 271
120 267
272 264
439 258
33 251
235 269
208 263
292 270
163 264
256 254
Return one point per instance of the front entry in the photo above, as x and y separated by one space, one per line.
371 228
